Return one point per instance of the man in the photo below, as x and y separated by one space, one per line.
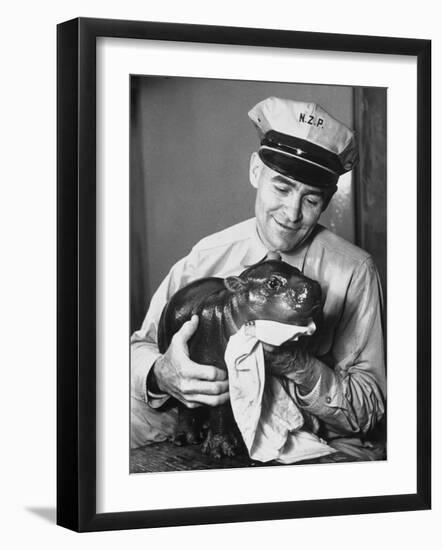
339 384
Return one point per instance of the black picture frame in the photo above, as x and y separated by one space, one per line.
77 287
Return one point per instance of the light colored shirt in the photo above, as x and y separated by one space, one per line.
343 382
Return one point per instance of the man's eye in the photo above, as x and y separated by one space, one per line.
313 202
283 190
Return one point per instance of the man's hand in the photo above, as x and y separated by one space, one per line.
286 361
189 382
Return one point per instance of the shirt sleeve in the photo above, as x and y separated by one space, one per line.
350 397
144 345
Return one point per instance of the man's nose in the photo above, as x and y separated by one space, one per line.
293 208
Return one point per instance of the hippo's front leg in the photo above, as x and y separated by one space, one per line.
223 437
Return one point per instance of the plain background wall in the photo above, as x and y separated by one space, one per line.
191 144
27 223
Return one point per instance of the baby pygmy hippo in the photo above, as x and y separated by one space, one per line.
271 290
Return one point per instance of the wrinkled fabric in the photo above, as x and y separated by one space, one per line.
149 425
269 420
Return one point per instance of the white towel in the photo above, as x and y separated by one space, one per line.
269 420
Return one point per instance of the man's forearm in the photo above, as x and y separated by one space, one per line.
144 355
346 403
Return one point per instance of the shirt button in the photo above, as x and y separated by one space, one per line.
328 400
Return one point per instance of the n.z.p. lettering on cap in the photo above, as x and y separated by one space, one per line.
311 119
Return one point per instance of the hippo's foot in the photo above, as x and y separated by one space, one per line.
187 438
219 445
191 427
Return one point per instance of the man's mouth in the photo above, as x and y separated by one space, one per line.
284 226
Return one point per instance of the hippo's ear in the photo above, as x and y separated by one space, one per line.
235 284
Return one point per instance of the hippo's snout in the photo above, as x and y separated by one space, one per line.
306 297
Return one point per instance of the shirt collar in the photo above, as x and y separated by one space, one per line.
256 251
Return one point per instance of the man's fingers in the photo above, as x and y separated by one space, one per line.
210 400
192 387
205 372
187 330
191 404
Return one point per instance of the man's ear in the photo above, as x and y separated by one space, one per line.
256 165
235 284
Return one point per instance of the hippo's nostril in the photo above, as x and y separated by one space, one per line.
302 293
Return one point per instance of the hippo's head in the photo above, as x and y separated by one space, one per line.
276 291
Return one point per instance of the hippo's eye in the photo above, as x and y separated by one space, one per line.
274 283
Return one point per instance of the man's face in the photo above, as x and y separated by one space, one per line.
286 210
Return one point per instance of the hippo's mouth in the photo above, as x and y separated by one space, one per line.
314 309
303 314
